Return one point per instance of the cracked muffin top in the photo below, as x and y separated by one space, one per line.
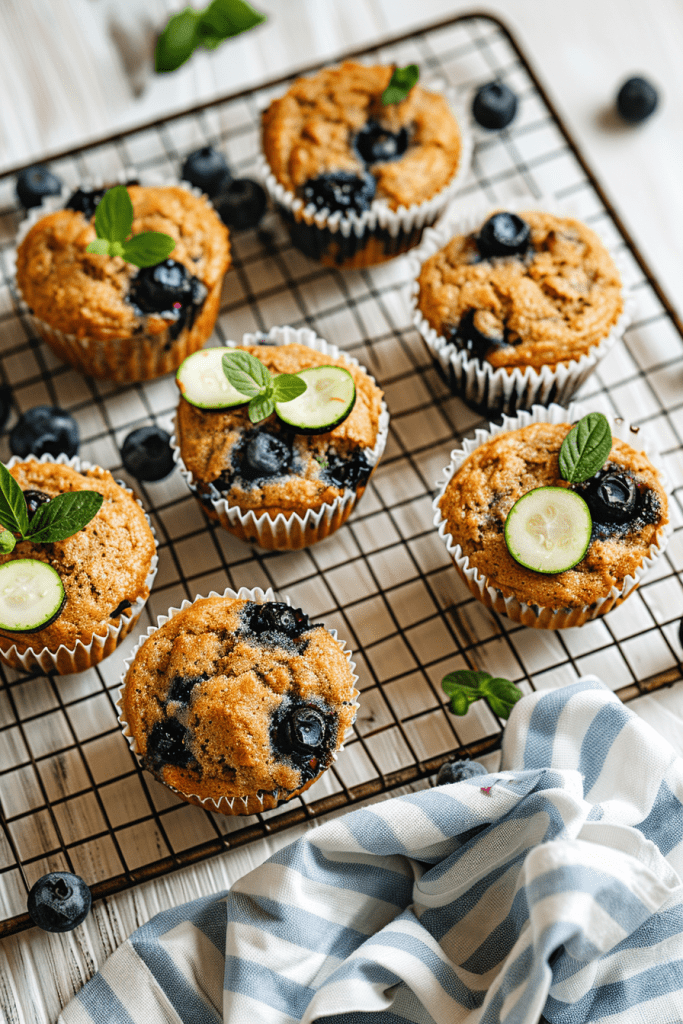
478 498
334 123
527 289
242 703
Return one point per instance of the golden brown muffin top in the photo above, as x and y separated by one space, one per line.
309 131
478 498
558 301
81 293
100 566
213 698
208 439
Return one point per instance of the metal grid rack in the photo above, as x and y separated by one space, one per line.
72 795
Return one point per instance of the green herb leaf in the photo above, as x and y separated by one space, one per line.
586 448
465 686
114 215
13 511
7 542
100 247
63 516
400 84
148 248
247 374
288 386
260 408
190 29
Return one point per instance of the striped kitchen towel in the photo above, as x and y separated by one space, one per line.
550 887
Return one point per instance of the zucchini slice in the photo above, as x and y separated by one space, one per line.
328 399
202 382
548 529
32 595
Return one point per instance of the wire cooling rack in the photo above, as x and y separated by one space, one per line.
72 795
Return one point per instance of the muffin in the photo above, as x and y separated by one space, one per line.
356 180
108 318
516 308
268 483
490 474
237 702
106 569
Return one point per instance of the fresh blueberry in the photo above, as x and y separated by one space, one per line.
351 472
170 290
147 454
305 730
181 687
458 771
34 499
275 617
34 184
340 190
265 455
612 496
478 332
494 105
303 734
636 100
5 404
167 743
503 234
242 204
206 169
44 430
85 201
375 143
58 902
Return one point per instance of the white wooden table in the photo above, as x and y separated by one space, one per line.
64 85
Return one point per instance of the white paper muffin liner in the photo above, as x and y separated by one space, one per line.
142 356
480 384
65 660
293 532
539 616
264 800
374 235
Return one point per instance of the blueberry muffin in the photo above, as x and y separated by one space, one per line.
330 144
628 507
267 483
239 704
108 318
106 570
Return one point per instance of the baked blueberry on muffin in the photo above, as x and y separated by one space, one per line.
114 311
351 151
238 703
544 543
518 310
291 478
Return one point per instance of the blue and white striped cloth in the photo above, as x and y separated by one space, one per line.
550 887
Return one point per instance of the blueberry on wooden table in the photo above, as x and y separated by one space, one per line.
636 100
35 183
494 105
44 430
206 169
242 204
146 453
458 771
58 902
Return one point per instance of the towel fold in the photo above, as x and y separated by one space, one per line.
551 887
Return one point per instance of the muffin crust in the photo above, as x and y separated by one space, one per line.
478 498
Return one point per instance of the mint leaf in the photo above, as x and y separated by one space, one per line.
586 448
400 84
260 408
100 247
287 386
501 694
7 542
247 374
190 29
148 248
13 511
114 215
465 686
63 516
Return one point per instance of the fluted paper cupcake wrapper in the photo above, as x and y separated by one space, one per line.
393 231
482 385
264 800
65 660
142 356
481 586
293 532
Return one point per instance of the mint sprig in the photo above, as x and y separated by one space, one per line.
189 29
57 519
465 686
251 378
113 221
586 448
400 84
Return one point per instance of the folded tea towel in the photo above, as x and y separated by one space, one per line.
550 887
